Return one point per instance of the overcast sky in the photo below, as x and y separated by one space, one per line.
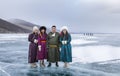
79 15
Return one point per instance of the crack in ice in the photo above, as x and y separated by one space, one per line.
4 72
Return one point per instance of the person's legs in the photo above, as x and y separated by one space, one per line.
65 64
49 65
33 65
43 63
40 63
57 64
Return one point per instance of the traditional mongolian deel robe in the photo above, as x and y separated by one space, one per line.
66 53
32 48
53 47
42 42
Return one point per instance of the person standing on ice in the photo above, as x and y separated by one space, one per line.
53 47
66 49
42 50
33 46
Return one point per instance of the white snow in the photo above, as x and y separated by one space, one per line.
4 37
81 41
96 53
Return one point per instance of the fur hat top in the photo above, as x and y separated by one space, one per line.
64 28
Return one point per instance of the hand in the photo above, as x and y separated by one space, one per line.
63 42
60 49
35 41
39 47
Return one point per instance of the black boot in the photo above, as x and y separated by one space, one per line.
49 65
57 64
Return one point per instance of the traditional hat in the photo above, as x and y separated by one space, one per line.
64 27
35 28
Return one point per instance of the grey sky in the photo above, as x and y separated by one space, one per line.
78 15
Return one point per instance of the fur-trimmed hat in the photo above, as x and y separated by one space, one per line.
64 27
42 27
35 28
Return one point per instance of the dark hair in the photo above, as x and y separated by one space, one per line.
41 28
66 35
53 26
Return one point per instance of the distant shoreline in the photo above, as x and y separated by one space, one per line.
71 33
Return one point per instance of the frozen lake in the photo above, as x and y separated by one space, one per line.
97 55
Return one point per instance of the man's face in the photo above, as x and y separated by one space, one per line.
53 29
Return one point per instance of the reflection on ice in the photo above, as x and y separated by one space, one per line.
79 69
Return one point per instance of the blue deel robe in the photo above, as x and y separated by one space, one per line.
66 49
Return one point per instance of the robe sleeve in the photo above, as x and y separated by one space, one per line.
59 40
39 40
47 43
30 38
69 39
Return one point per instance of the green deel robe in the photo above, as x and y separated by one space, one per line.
53 52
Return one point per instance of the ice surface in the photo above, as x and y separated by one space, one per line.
97 55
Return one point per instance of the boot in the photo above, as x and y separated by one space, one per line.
65 65
57 64
33 65
49 65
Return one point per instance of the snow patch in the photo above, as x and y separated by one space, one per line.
96 53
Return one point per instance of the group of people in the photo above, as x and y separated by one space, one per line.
53 47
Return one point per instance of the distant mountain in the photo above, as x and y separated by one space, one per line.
8 27
17 26
24 24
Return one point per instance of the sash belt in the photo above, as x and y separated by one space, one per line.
54 46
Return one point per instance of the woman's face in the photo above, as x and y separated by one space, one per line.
36 31
43 31
64 31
